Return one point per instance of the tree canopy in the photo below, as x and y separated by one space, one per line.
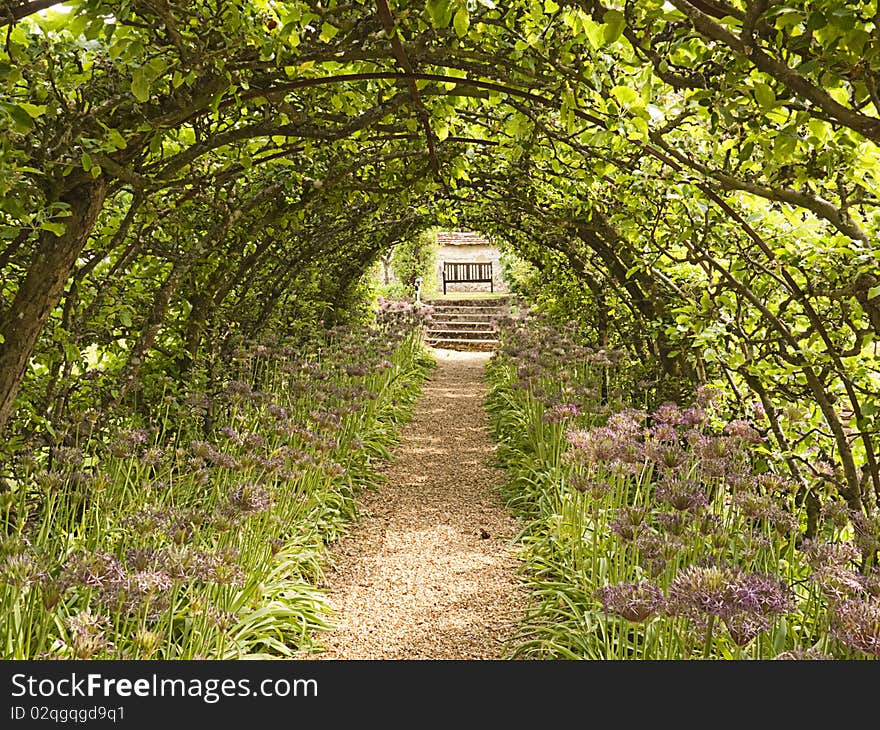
699 181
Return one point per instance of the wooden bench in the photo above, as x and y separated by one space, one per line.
468 274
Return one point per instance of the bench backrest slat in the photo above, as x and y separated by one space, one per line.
465 273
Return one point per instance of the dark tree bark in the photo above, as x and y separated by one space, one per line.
42 289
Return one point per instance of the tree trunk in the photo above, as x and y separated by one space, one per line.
42 289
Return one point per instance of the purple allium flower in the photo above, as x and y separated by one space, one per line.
656 549
141 558
67 456
867 535
238 389
87 637
19 570
725 592
706 394
682 494
837 581
836 512
743 627
674 523
701 590
711 448
202 450
153 456
663 432
755 542
230 433
763 507
763 594
856 623
820 553
561 412
355 370
710 524
334 469
254 441
667 413
628 422
633 601
51 481
148 582
249 498
628 522
226 461
743 431
221 620
97 569
665 455
596 488
776 484
128 443
871 580
277 412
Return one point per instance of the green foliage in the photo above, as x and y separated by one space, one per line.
202 534
416 257
637 543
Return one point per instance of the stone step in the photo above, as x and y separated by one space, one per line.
497 302
482 317
460 334
481 345
455 324
441 310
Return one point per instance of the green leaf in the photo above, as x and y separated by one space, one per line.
328 31
33 110
21 120
56 228
816 21
839 94
784 146
86 160
641 129
745 152
116 139
461 22
765 96
440 12
820 130
873 292
627 97
550 6
614 23
71 352
595 32
140 85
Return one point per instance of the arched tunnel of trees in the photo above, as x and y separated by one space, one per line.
692 183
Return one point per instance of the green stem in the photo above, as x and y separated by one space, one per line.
710 625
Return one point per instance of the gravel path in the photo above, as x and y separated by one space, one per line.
429 573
